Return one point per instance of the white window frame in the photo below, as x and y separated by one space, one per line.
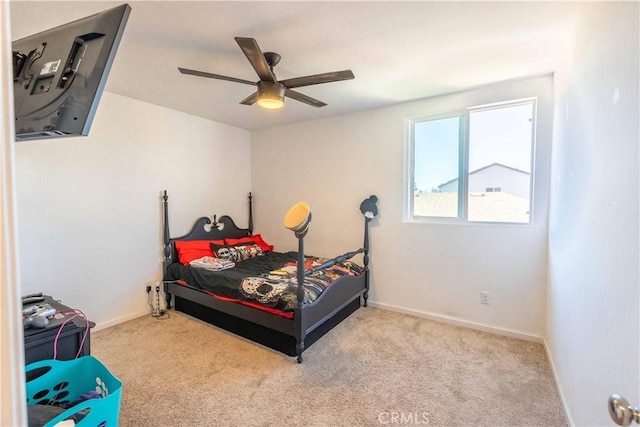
463 163
410 126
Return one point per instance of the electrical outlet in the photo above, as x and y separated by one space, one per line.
484 297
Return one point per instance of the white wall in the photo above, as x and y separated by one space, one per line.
428 269
593 324
89 208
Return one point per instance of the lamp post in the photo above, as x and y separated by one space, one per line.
297 220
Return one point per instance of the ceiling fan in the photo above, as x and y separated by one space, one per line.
271 91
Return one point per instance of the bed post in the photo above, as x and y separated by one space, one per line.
166 249
298 311
250 215
365 260
297 220
369 209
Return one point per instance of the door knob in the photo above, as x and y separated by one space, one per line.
621 412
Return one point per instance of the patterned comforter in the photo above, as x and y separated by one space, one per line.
269 279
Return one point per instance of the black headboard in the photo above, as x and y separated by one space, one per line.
203 229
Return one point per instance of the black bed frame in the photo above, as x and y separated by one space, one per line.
289 336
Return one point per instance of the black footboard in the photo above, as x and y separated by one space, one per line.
268 337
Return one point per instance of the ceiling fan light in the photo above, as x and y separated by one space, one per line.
270 95
270 103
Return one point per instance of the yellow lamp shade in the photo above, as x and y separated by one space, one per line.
298 217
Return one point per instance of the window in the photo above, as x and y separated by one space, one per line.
473 165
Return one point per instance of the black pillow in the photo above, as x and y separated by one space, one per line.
237 253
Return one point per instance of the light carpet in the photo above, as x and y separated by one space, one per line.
376 368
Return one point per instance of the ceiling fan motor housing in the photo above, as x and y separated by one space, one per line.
272 58
274 89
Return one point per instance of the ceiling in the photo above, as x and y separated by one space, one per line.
398 51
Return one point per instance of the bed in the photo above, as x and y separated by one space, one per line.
258 298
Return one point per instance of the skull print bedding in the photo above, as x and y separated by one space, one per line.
268 279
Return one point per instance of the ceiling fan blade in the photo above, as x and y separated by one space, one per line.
303 98
255 56
214 76
317 79
251 99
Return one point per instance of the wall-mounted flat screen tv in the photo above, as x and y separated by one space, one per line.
59 74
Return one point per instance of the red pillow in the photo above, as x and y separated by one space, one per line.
232 242
256 238
188 250
260 242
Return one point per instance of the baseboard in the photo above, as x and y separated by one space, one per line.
459 322
563 401
109 323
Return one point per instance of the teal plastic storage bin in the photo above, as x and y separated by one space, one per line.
65 381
